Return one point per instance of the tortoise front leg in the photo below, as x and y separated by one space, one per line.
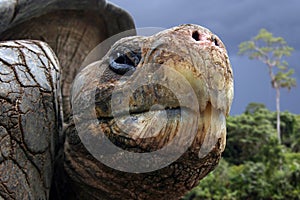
30 119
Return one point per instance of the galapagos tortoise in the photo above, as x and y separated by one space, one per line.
51 133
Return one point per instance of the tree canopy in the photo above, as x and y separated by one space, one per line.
254 164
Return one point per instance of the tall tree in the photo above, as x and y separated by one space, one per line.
271 51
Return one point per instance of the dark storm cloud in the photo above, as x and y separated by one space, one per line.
234 21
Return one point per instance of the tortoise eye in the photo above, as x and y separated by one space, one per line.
123 63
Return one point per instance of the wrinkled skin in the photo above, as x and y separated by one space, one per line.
85 24
42 154
30 120
204 64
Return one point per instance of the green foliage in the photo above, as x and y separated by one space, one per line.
267 48
252 137
295 137
247 181
207 188
253 107
290 132
284 79
254 165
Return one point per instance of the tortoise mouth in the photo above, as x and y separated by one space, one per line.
147 131
152 130
141 111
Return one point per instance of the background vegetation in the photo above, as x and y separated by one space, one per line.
254 164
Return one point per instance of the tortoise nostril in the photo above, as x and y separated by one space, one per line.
214 40
196 36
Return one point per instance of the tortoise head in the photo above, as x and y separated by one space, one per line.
151 114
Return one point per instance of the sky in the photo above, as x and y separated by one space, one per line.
234 21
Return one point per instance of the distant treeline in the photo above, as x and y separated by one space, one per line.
254 164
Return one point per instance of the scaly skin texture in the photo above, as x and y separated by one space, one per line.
30 119
35 154
31 142
200 57
85 24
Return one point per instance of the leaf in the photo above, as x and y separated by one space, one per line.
271 51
